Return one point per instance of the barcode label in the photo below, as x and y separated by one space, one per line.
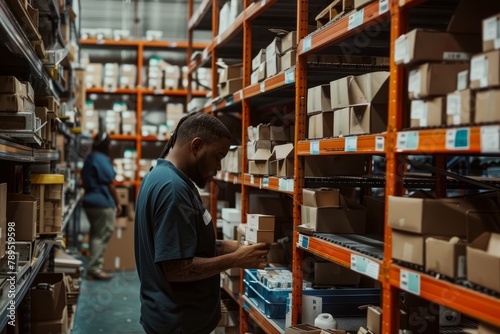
383 6
356 19
379 144
458 139
307 43
314 147
490 139
351 144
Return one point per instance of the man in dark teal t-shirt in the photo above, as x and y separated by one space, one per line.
178 258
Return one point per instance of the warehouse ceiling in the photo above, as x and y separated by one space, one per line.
169 16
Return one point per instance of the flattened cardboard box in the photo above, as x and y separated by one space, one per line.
483 256
434 79
421 45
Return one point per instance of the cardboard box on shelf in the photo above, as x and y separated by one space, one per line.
22 210
420 45
323 166
288 42
318 99
339 92
434 79
408 247
320 125
333 10
48 304
350 217
230 87
426 113
358 4
253 235
440 217
262 72
288 59
273 65
370 88
341 122
119 255
254 77
460 107
11 85
15 103
330 274
445 256
259 165
281 161
490 38
49 102
259 59
273 48
368 118
48 190
374 319
321 197
259 132
279 133
486 106
468 16
483 256
260 221
254 145
93 75
230 72
485 70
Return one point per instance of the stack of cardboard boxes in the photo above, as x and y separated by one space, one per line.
230 79
352 105
110 76
48 190
93 75
90 118
126 167
228 13
128 76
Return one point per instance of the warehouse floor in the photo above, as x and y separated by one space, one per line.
109 306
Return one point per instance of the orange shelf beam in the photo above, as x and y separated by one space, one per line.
112 90
263 322
136 43
336 254
465 140
269 183
368 144
218 106
155 138
472 303
128 183
257 8
165 92
280 80
199 13
339 30
207 53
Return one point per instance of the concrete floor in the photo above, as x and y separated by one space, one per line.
109 306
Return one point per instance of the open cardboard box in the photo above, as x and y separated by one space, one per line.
445 256
483 256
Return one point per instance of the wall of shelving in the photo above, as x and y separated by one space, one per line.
372 31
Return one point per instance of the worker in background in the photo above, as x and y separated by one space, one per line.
178 258
100 203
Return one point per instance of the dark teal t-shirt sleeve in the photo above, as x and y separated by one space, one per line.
175 235
106 173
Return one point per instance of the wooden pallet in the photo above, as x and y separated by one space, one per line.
334 10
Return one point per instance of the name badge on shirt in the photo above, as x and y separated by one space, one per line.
207 218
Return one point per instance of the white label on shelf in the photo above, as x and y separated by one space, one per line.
262 86
407 140
289 76
291 184
456 56
241 94
205 53
479 70
453 104
490 29
307 43
252 179
235 180
304 241
402 50
383 6
458 139
282 184
490 138
226 177
356 19
462 80
351 144
414 82
379 144
158 92
365 266
265 182
409 282
262 3
314 147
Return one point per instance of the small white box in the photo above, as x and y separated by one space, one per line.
253 235
260 221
